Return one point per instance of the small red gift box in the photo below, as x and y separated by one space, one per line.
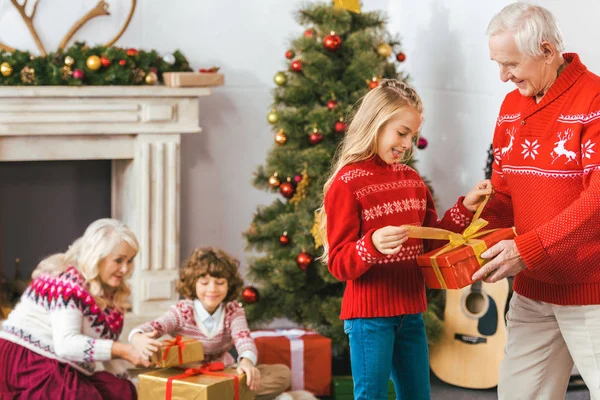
456 266
308 355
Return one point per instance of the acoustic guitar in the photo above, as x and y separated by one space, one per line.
472 344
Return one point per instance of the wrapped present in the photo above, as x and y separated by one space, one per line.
306 353
343 388
209 382
452 266
193 79
181 350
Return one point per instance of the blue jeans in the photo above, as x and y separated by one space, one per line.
394 347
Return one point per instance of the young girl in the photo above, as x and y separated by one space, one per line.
368 196
71 316
210 284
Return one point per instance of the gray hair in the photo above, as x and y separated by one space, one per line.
531 26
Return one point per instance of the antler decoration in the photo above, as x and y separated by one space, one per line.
100 9
28 19
125 25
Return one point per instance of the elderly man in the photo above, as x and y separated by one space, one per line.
546 175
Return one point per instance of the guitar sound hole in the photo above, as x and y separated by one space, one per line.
476 303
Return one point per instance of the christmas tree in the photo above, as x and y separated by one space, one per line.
339 58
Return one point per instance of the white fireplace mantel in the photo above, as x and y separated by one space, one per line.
137 127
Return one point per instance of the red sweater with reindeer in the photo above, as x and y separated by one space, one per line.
546 174
364 197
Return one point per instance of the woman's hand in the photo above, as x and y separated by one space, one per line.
145 343
128 353
476 196
252 373
389 239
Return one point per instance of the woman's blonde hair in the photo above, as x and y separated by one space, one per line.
376 108
531 26
86 253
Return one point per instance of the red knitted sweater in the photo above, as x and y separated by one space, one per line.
547 180
364 197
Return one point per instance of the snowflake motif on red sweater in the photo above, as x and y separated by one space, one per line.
67 291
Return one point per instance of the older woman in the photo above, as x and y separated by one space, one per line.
70 317
546 174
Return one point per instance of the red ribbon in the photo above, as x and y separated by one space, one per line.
178 341
206 369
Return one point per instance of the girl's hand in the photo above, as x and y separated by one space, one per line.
389 239
145 344
476 196
252 373
128 353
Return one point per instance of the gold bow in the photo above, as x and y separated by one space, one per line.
468 238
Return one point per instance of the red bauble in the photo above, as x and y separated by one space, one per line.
315 138
105 62
250 295
331 104
340 126
304 260
373 84
422 143
297 178
284 239
296 65
309 33
332 42
287 190
122 63
290 54
401 57
78 74
132 52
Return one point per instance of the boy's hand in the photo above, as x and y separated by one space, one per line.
252 374
145 343
476 196
389 239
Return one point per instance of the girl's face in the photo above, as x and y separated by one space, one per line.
211 291
396 136
114 267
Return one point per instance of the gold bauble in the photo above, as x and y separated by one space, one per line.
93 63
384 50
27 75
272 117
274 181
69 61
151 78
280 78
280 137
6 69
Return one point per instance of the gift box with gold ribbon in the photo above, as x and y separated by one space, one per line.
209 382
181 350
451 266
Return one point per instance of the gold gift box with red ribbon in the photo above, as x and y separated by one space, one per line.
181 350
453 265
209 382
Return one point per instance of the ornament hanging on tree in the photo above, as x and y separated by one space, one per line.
272 117
309 33
332 42
105 62
93 63
69 61
274 181
401 57
122 63
298 178
340 126
78 74
296 65
280 137
287 189
315 137
27 74
132 52
6 69
301 188
169 58
290 54
384 50
373 83
250 295
304 260
331 104
280 78
284 239
422 143
151 78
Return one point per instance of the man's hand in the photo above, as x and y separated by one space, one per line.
506 261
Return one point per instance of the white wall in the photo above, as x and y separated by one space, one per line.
447 57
